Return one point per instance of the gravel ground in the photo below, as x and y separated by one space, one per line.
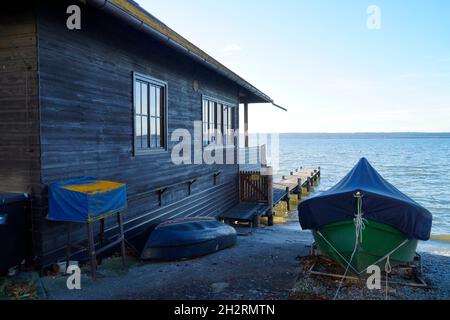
262 266
436 274
269 264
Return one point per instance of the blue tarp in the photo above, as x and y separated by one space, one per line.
84 199
382 202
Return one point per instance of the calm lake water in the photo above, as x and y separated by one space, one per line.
417 164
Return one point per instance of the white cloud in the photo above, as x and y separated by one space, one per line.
231 49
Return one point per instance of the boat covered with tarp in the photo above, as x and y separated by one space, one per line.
364 220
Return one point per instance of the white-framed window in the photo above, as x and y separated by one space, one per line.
150 114
217 118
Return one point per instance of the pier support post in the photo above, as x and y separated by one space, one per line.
313 179
288 202
308 185
299 194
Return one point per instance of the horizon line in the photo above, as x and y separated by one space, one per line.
358 132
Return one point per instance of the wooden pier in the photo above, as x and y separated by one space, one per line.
295 182
259 194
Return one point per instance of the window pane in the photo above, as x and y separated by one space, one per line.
208 114
208 135
144 94
137 99
158 101
158 132
144 132
230 126
205 134
225 124
153 132
211 114
230 118
205 111
219 116
152 101
138 132
205 122
212 121
225 117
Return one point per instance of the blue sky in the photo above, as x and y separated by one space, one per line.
319 59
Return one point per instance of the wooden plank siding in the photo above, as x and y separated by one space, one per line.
86 112
19 108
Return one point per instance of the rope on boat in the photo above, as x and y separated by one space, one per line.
340 255
359 228
387 266
360 222
388 269
387 256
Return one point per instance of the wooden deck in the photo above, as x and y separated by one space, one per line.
245 212
304 177
250 211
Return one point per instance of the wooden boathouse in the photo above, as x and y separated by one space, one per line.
103 101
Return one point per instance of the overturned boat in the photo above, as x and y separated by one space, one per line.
188 238
364 221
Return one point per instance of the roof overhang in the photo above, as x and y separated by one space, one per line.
130 12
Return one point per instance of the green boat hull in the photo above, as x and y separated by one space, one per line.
378 240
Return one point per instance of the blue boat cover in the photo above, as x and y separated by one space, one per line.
382 202
85 199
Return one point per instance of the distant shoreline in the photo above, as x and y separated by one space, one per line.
365 135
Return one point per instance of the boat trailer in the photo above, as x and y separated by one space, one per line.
414 269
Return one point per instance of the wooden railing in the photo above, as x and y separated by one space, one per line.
252 158
255 186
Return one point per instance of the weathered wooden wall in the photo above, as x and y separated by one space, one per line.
19 105
19 112
86 118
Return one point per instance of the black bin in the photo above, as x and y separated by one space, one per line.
13 230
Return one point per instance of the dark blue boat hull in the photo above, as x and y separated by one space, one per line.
188 238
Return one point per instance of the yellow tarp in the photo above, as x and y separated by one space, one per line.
95 188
